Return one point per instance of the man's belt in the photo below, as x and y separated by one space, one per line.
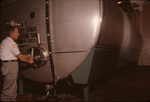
4 61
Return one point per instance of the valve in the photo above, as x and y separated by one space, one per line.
39 55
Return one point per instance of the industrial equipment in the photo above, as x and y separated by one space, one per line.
84 39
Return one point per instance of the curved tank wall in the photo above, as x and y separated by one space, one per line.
117 30
119 45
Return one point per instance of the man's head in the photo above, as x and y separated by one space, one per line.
12 32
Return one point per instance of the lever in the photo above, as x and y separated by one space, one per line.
38 39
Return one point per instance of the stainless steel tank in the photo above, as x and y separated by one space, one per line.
86 39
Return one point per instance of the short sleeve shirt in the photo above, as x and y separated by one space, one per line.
9 49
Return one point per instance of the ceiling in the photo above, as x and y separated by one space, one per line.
132 7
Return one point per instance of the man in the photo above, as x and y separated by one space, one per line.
9 53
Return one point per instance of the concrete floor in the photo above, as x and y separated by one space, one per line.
130 84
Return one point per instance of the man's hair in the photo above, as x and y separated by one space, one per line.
10 30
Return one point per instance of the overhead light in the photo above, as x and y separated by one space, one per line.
119 2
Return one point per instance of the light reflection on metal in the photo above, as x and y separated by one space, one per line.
32 52
119 2
96 21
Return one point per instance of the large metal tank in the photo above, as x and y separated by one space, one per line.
86 39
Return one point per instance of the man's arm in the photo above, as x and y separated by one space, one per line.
25 58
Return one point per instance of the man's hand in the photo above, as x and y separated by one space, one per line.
30 61
28 56
25 58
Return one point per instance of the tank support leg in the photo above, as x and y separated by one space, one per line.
20 86
86 93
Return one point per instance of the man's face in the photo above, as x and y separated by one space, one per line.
15 34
